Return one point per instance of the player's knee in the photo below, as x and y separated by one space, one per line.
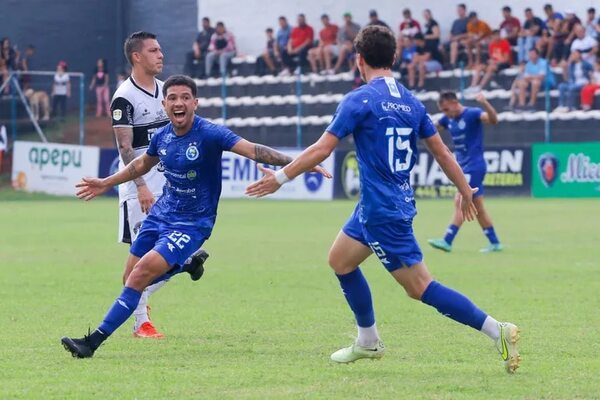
337 265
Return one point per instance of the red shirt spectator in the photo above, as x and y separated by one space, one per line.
409 26
499 50
328 35
301 34
511 25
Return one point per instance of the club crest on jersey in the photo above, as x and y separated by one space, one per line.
462 124
548 167
192 153
117 114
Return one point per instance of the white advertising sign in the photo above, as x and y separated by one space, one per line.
52 168
239 172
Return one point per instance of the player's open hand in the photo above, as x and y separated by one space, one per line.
469 211
145 198
266 185
322 171
89 188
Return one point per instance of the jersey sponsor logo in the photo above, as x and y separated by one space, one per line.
192 153
191 175
313 181
162 152
391 106
117 114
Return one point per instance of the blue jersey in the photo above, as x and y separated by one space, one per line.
192 168
385 120
467 135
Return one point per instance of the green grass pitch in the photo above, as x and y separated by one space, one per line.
264 319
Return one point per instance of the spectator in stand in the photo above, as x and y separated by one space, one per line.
564 38
425 60
553 28
532 76
300 42
408 27
283 37
346 37
204 36
100 85
591 23
458 33
268 58
406 57
529 35
195 64
374 19
584 44
511 26
432 32
478 31
222 46
326 50
589 90
580 72
500 58
4 75
25 64
61 90
8 54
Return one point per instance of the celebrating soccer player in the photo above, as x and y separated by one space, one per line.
386 120
182 219
466 127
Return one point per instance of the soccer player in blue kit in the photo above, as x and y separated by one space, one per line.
190 150
465 124
386 120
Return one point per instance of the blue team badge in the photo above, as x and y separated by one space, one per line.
191 174
547 168
462 124
313 181
192 153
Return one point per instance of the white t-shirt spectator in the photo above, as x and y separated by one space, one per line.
585 46
60 84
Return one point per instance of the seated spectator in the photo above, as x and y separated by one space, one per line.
532 76
510 25
478 33
327 48
194 62
584 44
300 42
529 35
458 33
579 75
283 37
589 90
222 46
199 51
425 60
500 58
8 54
552 28
432 31
4 76
346 37
268 58
591 24
374 19
26 64
408 53
563 37
408 27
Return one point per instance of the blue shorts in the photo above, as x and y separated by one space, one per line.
393 243
176 243
475 179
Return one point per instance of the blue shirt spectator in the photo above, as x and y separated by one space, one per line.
283 34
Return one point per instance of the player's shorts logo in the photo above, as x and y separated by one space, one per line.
547 168
313 181
160 167
350 175
191 174
117 114
192 153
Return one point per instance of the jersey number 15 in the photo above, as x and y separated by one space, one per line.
399 140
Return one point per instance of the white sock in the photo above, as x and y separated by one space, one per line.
367 337
141 312
491 328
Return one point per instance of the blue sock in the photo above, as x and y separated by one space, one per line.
453 305
358 295
120 311
451 233
491 235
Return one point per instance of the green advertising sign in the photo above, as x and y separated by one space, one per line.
566 170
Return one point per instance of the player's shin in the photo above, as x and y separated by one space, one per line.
358 295
120 311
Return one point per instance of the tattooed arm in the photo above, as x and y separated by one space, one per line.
124 136
260 153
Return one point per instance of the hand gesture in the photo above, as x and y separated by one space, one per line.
266 185
468 209
90 188
480 98
145 198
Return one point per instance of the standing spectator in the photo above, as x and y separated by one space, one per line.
283 37
425 60
267 58
432 31
591 23
533 75
589 90
25 64
327 48
529 35
408 27
579 75
61 90
300 42
478 31
511 25
500 58
8 54
458 33
100 81
222 45
346 37
374 19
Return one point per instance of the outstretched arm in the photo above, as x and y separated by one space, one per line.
260 153
92 187
446 160
308 160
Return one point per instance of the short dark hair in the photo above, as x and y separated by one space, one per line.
377 45
528 9
206 19
506 9
134 43
448 95
591 10
535 50
463 6
221 24
547 6
282 18
179 80
269 30
406 11
472 14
